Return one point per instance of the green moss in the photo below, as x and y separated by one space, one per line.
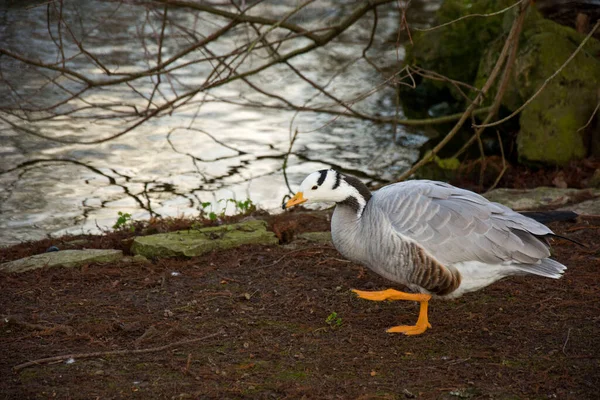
195 242
64 258
28 375
447 163
318 237
549 124
454 50
291 375
439 169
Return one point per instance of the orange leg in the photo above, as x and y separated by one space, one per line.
391 294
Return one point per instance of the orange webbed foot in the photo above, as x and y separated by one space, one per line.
391 294
410 329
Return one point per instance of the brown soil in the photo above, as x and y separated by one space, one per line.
267 307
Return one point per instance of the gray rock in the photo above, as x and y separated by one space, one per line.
75 242
549 125
454 51
318 237
589 207
541 197
195 242
136 259
64 258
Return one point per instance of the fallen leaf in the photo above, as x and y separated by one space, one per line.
559 181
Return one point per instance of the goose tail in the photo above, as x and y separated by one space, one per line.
547 267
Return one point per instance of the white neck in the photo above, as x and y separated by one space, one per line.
355 195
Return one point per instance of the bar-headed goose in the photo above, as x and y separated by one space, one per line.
438 240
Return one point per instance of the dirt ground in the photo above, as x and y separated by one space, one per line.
264 323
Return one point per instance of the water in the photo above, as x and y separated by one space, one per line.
204 151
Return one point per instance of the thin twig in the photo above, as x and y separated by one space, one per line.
239 18
470 16
590 119
571 57
504 167
294 252
285 161
45 360
566 341
439 77
404 122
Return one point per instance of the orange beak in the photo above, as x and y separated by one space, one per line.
294 201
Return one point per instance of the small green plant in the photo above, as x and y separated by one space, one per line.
211 215
244 207
333 320
241 207
124 221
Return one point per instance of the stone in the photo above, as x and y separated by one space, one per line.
549 126
139 259
195 242
453 50
594 181
439 169
318 237
588 207
75 242
64 258
541 197
467 50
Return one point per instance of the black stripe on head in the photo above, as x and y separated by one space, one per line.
323 173
338 180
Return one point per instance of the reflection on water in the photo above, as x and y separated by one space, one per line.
170 165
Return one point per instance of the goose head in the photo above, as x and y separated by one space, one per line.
330 186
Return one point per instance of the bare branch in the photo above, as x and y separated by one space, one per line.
589 121
472 16
239 18
46 360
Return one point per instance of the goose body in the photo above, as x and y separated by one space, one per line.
436 239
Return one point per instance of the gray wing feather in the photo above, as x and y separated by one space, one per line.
456 225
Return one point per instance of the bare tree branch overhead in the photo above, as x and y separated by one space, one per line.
175 41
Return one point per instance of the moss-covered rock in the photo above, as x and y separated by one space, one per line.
64 258
454 50
439 169
317 237
549 124
196 242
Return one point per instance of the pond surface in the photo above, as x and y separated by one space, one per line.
172 164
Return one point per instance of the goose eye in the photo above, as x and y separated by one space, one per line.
315 187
